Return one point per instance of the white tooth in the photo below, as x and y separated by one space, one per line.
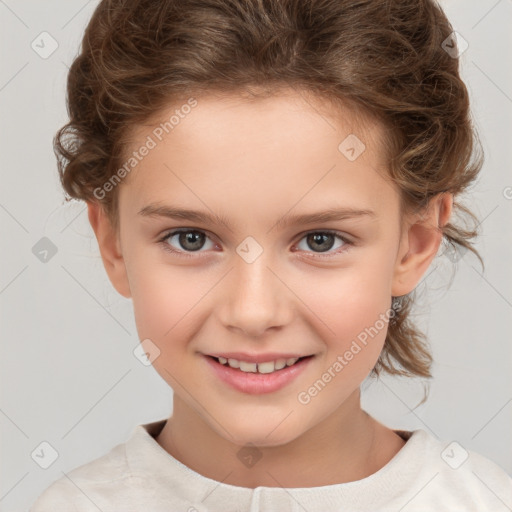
266 367
280 364
291 360
234 363
222 360
248 367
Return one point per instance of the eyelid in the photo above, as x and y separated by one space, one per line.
347 240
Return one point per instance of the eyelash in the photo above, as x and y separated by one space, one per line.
163 242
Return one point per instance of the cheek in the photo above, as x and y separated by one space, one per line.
166 304
165 299
350 304
356 313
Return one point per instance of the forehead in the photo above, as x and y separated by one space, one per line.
246 152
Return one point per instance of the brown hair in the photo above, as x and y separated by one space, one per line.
383 58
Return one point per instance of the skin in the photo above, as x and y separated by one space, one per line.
253 162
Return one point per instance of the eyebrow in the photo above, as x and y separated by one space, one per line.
331 214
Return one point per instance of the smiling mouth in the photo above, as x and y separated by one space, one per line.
263 368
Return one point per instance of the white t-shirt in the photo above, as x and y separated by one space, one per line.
139 475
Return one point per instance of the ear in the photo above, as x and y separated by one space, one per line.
110 248
419 243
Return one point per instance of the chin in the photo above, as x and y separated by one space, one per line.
262 433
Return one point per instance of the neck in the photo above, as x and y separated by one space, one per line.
348 445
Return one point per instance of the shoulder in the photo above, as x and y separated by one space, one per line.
462 478
93 486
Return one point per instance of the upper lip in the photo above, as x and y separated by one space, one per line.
257 358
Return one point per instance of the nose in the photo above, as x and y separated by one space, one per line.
255 298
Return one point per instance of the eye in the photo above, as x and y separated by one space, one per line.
323 241
188 240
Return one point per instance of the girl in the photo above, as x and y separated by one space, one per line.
268 181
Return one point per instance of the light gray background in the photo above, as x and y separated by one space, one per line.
69 376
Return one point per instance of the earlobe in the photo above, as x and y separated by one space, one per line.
110 248
420 244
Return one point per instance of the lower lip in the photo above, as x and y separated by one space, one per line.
257 383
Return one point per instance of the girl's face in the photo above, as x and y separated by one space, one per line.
248 278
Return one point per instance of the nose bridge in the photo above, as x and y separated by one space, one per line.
255 298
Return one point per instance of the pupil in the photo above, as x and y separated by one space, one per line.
319 239
193 238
